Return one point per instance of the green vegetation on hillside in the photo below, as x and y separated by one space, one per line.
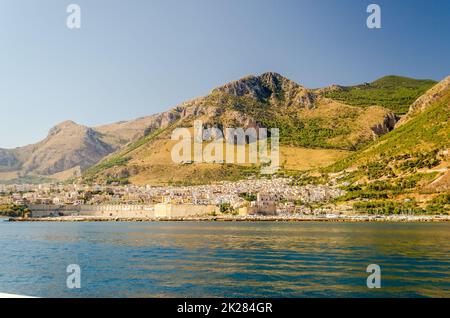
304 120
393 92
440 204
303 179
393 174
411 146
388 207
387 188
295 130
120 158
395 196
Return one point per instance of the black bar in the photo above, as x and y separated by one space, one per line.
228 306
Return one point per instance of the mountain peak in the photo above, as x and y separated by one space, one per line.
269 86
67 123
278 82
249 85
274 76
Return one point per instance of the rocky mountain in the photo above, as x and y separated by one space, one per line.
306 121
271 88
67 145
70 148
310 121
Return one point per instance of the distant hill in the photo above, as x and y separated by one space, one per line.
396 93
69 149
67 145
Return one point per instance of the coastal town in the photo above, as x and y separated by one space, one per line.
269 196
250 199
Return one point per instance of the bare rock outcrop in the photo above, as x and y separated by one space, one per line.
386 126
427 99
272 88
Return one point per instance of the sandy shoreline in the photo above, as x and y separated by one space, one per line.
346 218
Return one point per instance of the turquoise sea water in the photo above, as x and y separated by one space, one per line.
261 259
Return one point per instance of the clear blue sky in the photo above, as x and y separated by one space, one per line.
135 58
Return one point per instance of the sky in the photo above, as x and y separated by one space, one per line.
135 58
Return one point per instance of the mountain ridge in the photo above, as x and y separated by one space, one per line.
306 121
394 92
307 118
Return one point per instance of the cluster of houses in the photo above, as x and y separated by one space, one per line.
252 196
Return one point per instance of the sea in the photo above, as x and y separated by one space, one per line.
224 259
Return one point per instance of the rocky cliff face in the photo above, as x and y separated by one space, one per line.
67 145
427 99
272 88
386 126
8 160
